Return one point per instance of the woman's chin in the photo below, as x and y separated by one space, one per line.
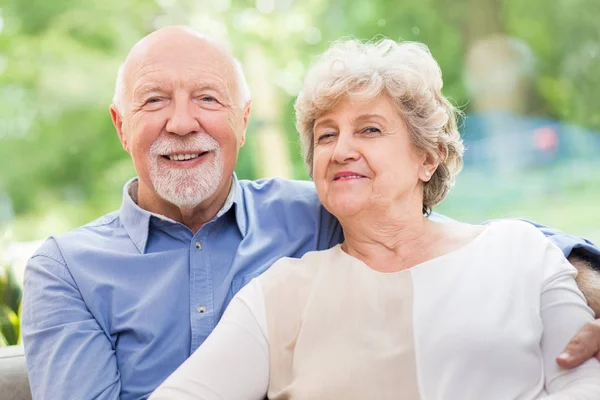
345 207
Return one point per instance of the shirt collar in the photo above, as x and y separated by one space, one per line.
136 220
240 206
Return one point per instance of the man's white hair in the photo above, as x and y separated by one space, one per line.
243 90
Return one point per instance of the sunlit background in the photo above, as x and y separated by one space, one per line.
526 74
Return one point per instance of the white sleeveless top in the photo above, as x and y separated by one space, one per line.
485 321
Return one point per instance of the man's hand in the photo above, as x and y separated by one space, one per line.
586 343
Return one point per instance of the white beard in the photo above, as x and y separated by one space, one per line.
186 188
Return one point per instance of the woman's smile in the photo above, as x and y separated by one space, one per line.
345 176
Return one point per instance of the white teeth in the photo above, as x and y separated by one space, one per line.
350 177
182 157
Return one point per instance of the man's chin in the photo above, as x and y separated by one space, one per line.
187 193
183 201
186 188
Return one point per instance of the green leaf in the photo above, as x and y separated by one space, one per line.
3 342
12 291
9 324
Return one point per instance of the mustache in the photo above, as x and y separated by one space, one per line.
190 143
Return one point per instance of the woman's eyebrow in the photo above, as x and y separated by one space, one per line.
326 122
369 116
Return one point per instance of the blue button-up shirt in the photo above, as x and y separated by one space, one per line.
112 308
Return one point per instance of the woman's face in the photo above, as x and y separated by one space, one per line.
364 158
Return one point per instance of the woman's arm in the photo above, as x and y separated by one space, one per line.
233 362
564 311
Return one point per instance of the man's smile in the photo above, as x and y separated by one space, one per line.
191 159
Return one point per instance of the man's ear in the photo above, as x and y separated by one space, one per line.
117 121
245 122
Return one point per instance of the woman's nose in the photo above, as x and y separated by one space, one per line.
345 149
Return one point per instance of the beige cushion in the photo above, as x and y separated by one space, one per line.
14 384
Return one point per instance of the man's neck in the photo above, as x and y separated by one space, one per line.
192 217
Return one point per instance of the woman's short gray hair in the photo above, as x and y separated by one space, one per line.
410 76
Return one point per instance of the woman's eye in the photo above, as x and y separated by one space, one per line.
371 129
324 137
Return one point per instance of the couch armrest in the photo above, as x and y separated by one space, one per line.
14 384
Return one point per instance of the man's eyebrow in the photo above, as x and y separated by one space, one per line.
147 89
144 90
200 86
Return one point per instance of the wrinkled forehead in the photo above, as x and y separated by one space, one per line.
358 97
191 64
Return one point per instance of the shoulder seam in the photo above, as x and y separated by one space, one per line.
49 257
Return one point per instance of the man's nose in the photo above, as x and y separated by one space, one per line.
183 119
345 149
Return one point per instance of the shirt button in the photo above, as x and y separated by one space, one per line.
198 246
201 309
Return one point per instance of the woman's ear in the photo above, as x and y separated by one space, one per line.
430 164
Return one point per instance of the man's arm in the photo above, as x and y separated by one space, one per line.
588 280
586 343
68 354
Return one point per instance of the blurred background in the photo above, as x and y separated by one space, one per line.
525 73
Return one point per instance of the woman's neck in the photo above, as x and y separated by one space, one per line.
388 241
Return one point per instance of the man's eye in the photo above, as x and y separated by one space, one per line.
153 100
208 99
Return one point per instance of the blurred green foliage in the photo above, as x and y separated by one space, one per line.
10 307
61 162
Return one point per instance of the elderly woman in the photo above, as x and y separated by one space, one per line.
405 308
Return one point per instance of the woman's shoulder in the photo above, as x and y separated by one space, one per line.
295 272
516 231
286 289
460 232
500 226
517 242
508 238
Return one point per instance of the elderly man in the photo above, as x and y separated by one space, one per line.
112 308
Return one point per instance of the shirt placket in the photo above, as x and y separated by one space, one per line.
201 289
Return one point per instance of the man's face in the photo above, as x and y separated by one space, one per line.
182 122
